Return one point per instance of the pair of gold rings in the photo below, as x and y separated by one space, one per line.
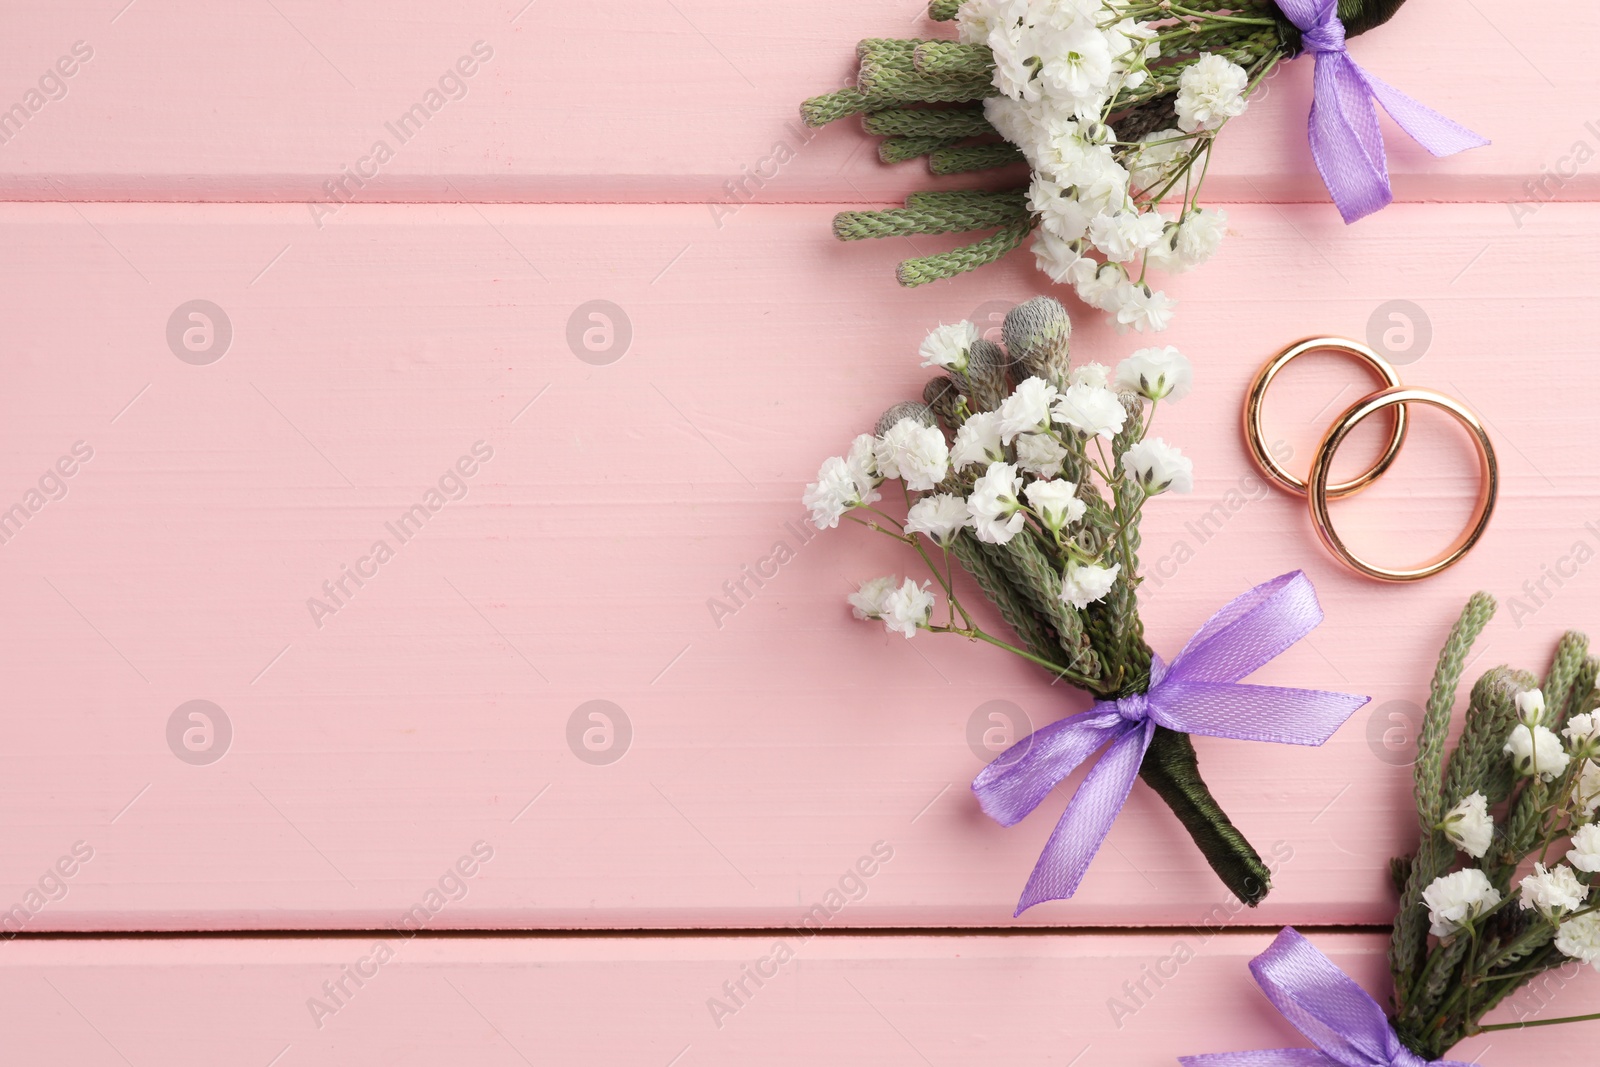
1395 395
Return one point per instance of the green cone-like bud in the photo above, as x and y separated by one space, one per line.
906 409
943 396
1036 333
986 371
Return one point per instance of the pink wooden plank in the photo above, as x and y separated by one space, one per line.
892 1000
433 709
694 101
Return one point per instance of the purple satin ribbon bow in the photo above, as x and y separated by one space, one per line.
1345 140
1199 693
1326 1005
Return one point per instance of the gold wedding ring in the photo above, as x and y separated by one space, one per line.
1254 401
1316 488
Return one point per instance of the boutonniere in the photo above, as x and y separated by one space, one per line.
1501 886
1114 106
1032 474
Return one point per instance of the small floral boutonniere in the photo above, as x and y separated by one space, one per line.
1114 105
1501 887
1032 474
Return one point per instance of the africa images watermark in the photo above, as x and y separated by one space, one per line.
1138 992
451 85
451 886
737 192
736 592
49 887
51 485
451 485
51 85
851 887
1554 177
1249 488
1539 591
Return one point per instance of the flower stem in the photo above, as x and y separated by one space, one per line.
1540 1022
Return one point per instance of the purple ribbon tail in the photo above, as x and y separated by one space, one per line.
1198 693
1346 142
1348 1027
1086 822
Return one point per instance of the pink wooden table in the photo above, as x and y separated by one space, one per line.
414 345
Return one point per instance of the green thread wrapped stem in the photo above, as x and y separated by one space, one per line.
952 122
914 272
965 158
1172 769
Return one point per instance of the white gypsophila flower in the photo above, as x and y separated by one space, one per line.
1582 731
1188 242
1122 235
914 453
1010 44
1586 790
1156 373
1469 825
940 517
1552 891
867 601
1530 707
1092 410
835 492
1138 307
1027 408
1151 163
1585 851
1060 215
907 608
862 461
1210 92
996 513
1055 502
947 346
1096 375
1579 938
973 21
1055 256
1077 67
1199 234
1017 122
1097 284
1457 898
978 441
1157 466
1086 583
1039 454
1536 751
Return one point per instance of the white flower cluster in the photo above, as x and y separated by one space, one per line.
1560 894
1060 65
1022 448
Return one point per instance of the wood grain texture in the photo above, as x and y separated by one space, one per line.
670 101
892 1000
772 745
